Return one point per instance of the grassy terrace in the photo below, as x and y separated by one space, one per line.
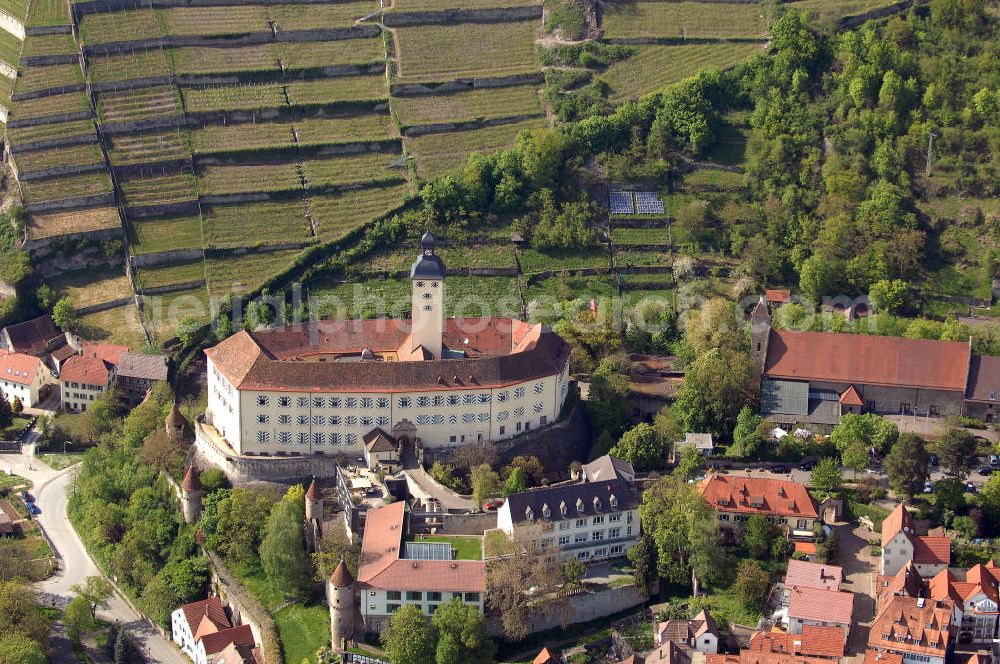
327 131
832 9
126 66
249 136
273 95
151 146
464 548
215 21
625 236
50 132
463 106
644 258
268 222
40 45
138 104
655 66
435 5
160 189
443 53
341 89
248 179
353 169
151 277
34 79
118 326
155 234
49 224
10 48
66 186
337 214
683 19
533 260
16 8
47 13
129 25
71 102
235 97
74 155
211 60
438 153
239 274
92 286
313 17
301 55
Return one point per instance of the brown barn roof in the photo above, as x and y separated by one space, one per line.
868 360
33 336
140 365
984 379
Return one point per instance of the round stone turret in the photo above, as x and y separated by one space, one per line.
314 503
175 423
191 495
340 596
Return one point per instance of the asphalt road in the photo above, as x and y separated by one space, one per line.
75 565
803 476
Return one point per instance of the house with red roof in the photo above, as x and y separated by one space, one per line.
976 598
901 545
203 631
814 641
84 378
917 629
802 574
820 608
24 377
700 633
394 571
735 499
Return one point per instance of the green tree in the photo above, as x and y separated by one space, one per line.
907 466
516 482
334 546
123 648
827 475
16 648
233 521
607 402
6 412
716 325
642 447
758 536
949 497
64 314
828 548
717 385
889 296
747 438
462 636
957 451
46 297
96 591
77 618
965 525
188 328
989 498
574 570
212 479
17 407
643 564
411 637
485 483
689 464
20 613
752 583
282 551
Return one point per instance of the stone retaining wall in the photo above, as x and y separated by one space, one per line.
668 41
131 83
173 288
163 210
128 170
447 127
133 126
50 119
104 306
100 6
74 169
246 608
71 203
44 60
584 607
465 84
166 257
48 92
39 31
451 16
40 247
338 108
580 271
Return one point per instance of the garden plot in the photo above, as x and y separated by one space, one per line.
244 137
50 224
219 60
655 66
319 17
438 5
50 132
234 98
16 8
369 167
356 299
325 91
711 179
651 20
533 260
151 235
215 21
92 286
36 79
10 48
439 153
643 258
71 102
251 224
304 55
331 131
240 274
825 10
161 101
632 236
73 155
540 295
335 215
66 186
147 147
129 25
45 45
159 189
164 311
486 103
44 13
168 275
482 296
248 179
127 66
117 326
431 53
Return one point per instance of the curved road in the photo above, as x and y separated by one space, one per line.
75 565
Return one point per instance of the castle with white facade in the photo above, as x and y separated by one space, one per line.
322 387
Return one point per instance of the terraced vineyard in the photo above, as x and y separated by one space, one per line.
645 20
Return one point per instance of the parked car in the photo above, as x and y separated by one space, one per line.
779 470
808 464
928 487
970 487
27 497
934 459
985 471
994 460
34 509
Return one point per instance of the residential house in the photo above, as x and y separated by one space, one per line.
591 520
545 656
983 389
880 657
700 633
735 499
392 573
814 641
84 378
907 581
667 653
110 353
239 654
381 451
821 576
751 657
38 337
202 630
918 629
700 442
24 377
975 597
901 544
136 373
820 608
777 296
607 468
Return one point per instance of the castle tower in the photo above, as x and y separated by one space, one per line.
760 333
191 495
340 597
427 277
314 503
175 423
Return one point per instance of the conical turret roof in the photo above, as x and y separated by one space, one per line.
342 577
312 493
175 419
192 482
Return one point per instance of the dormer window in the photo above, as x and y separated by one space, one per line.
597 503
546 512
613 500
529 514
580 507
420 284
562 508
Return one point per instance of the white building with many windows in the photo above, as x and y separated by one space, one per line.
589 520
319 388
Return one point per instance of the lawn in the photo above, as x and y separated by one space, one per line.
482 296
448 52
163 312
14 482
561 289
641 20
47 12
37 78
151 277
154 234
66 186
625 236
16 8
533 260
710 179
373 297
252 224
237 274
61 461
41 45
484 103
655 66
48 224
118 326
10 48
334 215
128 25
464 548
436 154
73 155
51 132
352 169
92 286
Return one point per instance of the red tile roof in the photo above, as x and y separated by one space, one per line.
876 657
813 641
802 574
913 625
868 360
898 519
216 643
778 295
821 605
906 582
85 369
382 567
850 397
758 495
931 550
192 480
545 656
108 352
978 579
211 607
808 548
18 368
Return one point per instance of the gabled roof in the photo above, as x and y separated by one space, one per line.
898 520
33 336
778 295
608 467
814 641
141 365
111 353
978 582
377 440
931 550
211 607
906 582
868 360
18 368
822 605
216 643
877 657
850 397
86 369
758 495
572 501
545 656
913 625
802 574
